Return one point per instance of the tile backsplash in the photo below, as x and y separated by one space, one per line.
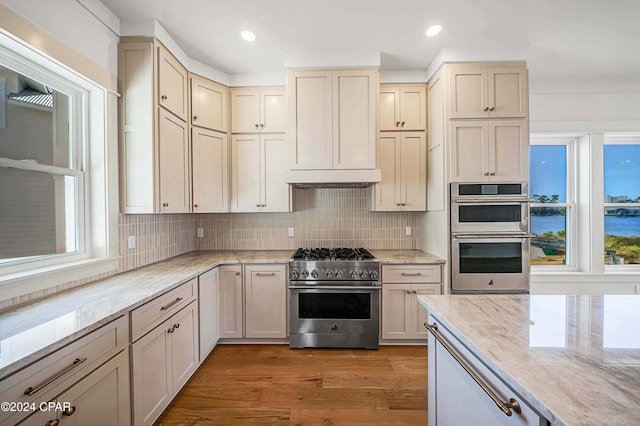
328 217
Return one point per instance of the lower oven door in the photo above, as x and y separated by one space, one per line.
490 264
334 316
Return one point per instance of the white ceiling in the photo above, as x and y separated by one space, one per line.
569 45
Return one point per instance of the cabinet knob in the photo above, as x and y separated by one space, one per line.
237 273
196 205
486 173
485 109
54 422
397 124
402 124
165 204
408 291
492 173
69 412
164 97
492 109
415 291
261 125
257 125
195 117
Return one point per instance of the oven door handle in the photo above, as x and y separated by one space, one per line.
336 287
485 236
491 201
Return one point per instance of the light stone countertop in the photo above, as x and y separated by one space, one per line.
33 331
575 359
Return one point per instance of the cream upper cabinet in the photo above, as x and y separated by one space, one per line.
487 92
255 110
265 301
210 171
489 150
402 158
258 174
153 137
402 107
208 104
172 83
332 119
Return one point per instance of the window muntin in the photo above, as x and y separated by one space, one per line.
621 165
553 209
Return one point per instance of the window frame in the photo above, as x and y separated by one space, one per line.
617 139
571 202
94 121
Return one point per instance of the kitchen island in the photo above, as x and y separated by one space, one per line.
571 360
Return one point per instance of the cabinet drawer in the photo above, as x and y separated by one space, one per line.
149 315
51 375
411 273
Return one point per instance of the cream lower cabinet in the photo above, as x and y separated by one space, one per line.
210 171
208 311
402 317
402 158
258 174
230 302
489 150
162 362
265 301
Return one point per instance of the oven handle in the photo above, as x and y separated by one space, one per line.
336 287
485 236
491 201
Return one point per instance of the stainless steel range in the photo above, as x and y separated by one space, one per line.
334 298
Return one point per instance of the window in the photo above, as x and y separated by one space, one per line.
621 202
552 212
58 201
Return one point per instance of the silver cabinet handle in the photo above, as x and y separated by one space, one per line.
31 390
265 274
170 304
407 274
506 407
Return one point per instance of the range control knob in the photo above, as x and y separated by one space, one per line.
314 274
295 273
354 274
364 275
338 274
305 274
373 275
329 274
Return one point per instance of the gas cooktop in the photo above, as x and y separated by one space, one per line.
332 254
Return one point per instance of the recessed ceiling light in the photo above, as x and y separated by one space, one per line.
248 35
433 30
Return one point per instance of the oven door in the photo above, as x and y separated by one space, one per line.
483 216
490 264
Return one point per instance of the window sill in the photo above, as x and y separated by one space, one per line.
31 281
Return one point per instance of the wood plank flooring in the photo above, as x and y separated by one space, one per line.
275 385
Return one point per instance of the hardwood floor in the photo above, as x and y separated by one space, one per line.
275 385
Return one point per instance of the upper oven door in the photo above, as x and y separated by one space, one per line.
489 216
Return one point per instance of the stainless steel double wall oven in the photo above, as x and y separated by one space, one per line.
490 238
334 298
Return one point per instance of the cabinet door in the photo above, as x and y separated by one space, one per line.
467 92
275 189
469 151
389 108
208 311
396 311
101 398
266 301
413 171
172 84
246 173
508 150
230 302
174 164
310 125
413 108
273 111
184 345
388 189
419 314
208 104
508 92
210 174
245 110
151 382
354 119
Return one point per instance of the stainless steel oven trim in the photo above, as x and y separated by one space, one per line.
465 283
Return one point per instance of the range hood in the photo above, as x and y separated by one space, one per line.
335 178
